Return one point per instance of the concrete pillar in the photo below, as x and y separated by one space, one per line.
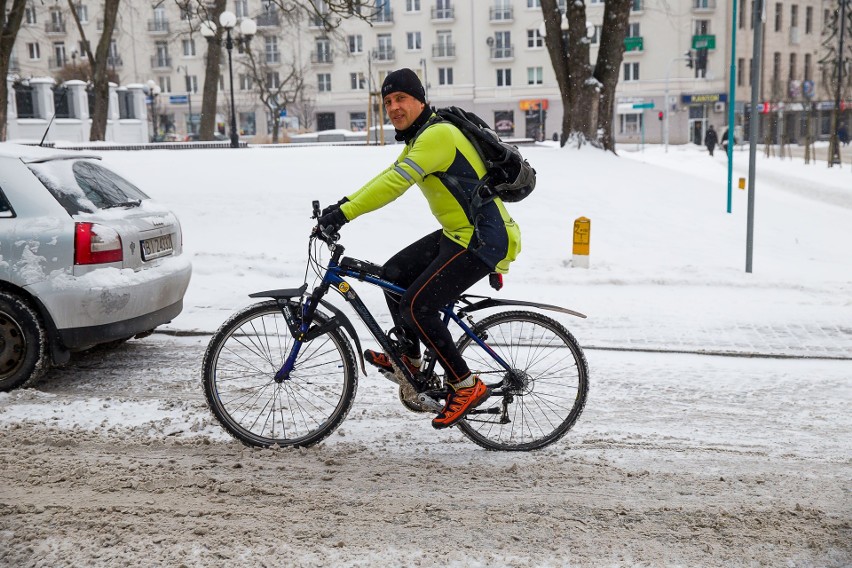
43 96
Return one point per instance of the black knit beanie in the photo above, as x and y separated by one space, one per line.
404 80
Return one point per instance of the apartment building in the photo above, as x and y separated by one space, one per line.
487 56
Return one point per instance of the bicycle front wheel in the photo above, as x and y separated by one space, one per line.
238 376
541 398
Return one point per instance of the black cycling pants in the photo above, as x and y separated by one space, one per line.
435 271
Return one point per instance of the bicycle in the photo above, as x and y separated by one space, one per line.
283 371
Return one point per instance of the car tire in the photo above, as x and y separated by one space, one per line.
23 343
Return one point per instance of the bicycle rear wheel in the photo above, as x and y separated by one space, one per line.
541 399
238 376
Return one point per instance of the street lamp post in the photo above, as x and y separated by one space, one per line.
188 96
153 90
228 20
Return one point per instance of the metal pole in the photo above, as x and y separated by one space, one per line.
189 99
235 138
834 158
759 17
732 94
666 107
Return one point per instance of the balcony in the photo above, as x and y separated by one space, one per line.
273 57
703 5
114 62
444 51
443 14
54 28
500 15
161 62
268 20
384 54
158 26
322 57
57 62
382 17
502 53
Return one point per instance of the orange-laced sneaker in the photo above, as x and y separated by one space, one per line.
382 362
459 403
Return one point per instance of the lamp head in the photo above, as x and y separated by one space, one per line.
228 20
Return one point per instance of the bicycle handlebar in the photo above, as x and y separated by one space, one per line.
325 234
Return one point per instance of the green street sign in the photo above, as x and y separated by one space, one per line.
704 42
634 44
643 105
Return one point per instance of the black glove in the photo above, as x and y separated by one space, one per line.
329 223
334 206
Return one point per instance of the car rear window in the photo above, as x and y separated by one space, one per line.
83 186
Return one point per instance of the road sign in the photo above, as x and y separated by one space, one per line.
643 105
703 42
178 99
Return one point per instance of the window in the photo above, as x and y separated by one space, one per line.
162 58
191 83
33 51
630 123
30 15
534 38
246 83
742 15
83 48
82 13
533 3
357 121
188 47
185 11
443 10
357 81
273 80
241 8
740 71
631 71
445 75
794 16
596 1
596 37
165 84
779 16
444 44
413 41
385 49
324 82
535 75
776 66
248 126
271 47
791 72
809 20
504 77
502 45
325 121
808 67
59 53
356 43
323 52
125 104
702 27
633 30
412 5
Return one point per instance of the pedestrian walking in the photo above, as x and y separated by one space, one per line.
711 139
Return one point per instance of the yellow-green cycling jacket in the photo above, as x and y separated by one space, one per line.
493 236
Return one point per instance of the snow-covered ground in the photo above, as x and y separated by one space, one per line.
679 459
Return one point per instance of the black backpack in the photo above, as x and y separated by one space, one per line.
508 175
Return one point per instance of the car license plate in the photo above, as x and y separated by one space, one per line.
157 247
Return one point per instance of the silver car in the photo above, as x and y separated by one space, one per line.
86 258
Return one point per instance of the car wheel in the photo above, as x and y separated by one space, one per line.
23 344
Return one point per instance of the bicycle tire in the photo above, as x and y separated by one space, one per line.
238 377
555 381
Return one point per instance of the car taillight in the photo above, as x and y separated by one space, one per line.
96 244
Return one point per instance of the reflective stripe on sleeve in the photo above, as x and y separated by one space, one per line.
414 166
404 174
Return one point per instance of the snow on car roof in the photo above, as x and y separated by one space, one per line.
31 154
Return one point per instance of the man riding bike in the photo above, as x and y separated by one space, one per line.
439 267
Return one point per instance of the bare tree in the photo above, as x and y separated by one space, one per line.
274 91
587 93
98 65
10 23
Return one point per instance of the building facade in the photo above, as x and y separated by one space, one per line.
487 56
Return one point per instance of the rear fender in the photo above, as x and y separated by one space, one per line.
474 303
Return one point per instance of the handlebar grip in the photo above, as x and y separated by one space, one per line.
316 206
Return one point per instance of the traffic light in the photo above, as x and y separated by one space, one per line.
660 115
689 60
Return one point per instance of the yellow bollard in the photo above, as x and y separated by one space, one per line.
582 233
742 183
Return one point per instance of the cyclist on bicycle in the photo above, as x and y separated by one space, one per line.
439 267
